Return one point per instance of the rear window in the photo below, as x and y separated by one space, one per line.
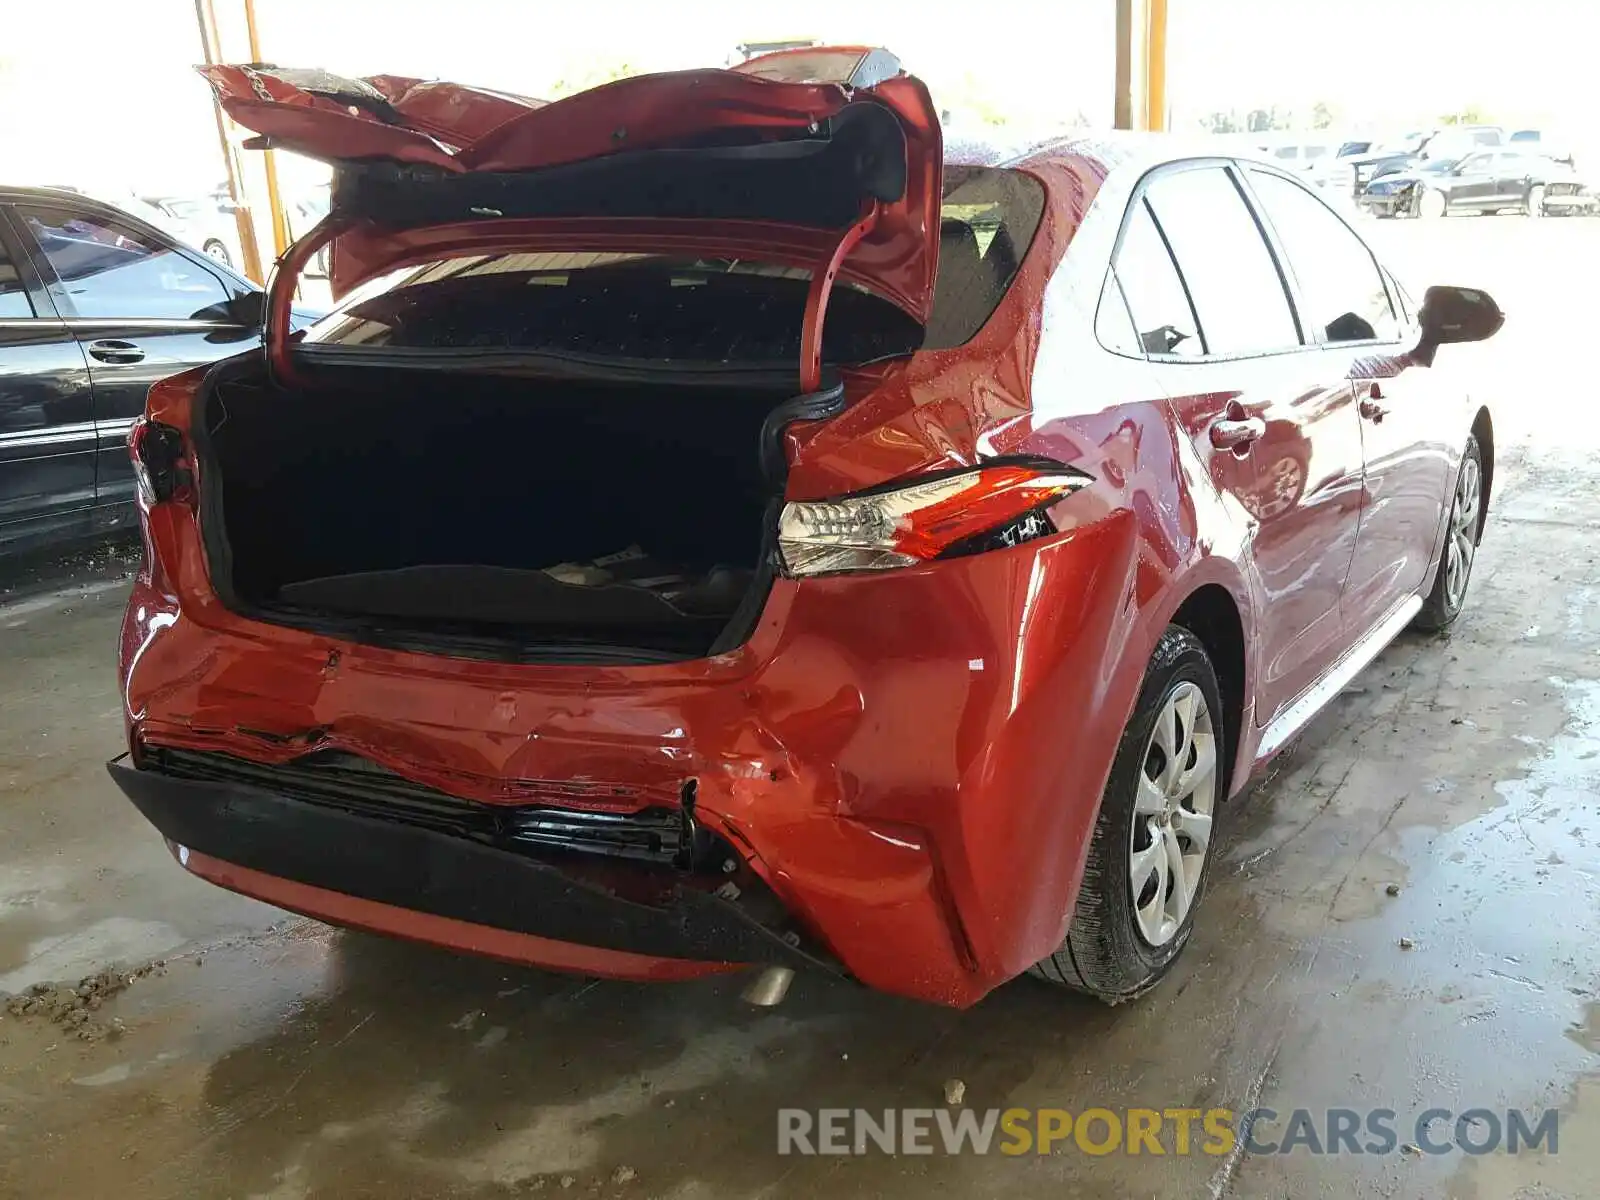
685 310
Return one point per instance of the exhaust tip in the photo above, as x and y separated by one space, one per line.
769 988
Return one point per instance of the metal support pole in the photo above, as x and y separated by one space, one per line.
280 228
1122 105
1155 64
206 17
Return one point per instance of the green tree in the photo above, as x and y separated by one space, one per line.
1322 116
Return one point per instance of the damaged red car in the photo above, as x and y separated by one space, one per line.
719 529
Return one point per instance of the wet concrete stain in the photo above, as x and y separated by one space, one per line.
1450 798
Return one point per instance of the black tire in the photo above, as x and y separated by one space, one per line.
1104 952
219 251
1440 609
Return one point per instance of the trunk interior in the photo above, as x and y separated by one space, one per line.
492 515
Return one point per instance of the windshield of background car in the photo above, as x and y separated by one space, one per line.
693 310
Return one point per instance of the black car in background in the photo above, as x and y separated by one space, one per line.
1496 180
1415 149
95 306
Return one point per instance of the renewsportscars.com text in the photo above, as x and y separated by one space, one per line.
1163 1131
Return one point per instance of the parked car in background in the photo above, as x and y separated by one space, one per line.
1535 142
1302 158
95 306
1449 142
302 214
1330 169
204 222
1570 193
606 586
1489 181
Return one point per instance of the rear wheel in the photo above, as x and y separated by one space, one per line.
1152 843
218 251
1449 594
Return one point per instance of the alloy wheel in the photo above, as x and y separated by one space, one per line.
1463 535
1172 814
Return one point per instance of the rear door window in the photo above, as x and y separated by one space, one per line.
109 269
1232 278
1162 314
1342 291
1113 324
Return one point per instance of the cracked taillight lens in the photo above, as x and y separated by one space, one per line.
962 512
160 462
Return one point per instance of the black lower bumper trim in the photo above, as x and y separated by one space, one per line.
425 871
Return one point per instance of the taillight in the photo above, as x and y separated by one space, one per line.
160 462
964 512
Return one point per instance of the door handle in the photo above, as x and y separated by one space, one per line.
1370 408
1237 434
111 350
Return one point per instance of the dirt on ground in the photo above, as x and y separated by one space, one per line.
72 1006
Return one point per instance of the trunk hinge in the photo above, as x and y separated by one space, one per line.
275 329
817 297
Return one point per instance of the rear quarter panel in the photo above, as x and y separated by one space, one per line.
1036 381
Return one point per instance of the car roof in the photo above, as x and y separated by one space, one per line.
23 195
1132 152
10 191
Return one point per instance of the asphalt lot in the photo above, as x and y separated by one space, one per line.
270 1056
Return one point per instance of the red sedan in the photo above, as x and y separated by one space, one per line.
716 530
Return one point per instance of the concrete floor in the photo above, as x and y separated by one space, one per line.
273 1057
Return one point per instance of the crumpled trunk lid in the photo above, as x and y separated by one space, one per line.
796 149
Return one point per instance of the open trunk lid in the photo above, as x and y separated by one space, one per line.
828 159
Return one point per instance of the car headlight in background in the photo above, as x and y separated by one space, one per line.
962 512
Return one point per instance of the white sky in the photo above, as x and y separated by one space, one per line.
124 104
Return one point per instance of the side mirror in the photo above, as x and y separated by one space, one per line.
249 309
1456 314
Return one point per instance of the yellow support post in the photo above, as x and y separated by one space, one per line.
1122 104
206 17
280 227
1155 64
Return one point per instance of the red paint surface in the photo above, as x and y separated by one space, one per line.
898 259
912 760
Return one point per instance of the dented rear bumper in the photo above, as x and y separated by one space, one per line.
909 765
406 866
